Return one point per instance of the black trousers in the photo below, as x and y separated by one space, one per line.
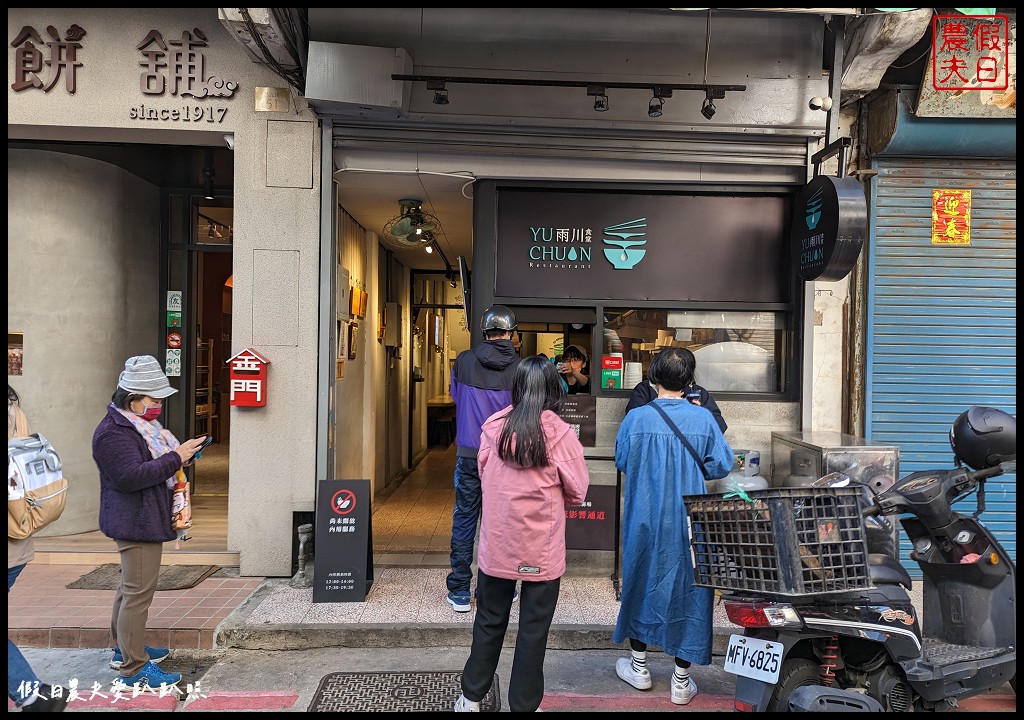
537 602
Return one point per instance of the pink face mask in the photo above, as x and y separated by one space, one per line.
151 412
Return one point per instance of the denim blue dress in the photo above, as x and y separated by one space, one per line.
660 605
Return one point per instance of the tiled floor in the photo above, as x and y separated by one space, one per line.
416 596
42 612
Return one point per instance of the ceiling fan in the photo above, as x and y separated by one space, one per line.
412 227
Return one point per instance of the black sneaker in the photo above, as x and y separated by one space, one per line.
46 702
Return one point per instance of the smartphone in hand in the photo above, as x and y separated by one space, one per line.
207 441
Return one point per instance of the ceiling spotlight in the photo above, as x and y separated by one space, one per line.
208 182
440 92
707 109
655 108
710 95
429 249
658 101
600 99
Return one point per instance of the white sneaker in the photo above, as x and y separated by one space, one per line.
683 692
641 679
464 705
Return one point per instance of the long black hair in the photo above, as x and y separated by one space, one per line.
536 387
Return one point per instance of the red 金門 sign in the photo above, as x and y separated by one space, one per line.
248 376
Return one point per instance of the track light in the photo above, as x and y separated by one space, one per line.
440 92
208 182
600 98
657 104
707 108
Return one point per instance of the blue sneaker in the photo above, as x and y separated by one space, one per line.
459 601
152 676
156 655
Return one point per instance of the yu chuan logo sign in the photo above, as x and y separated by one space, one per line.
635 245
572 248
829 226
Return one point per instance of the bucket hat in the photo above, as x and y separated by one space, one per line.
143 375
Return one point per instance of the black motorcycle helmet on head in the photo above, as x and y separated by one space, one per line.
983 437
498 317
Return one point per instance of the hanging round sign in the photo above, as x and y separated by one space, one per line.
830 220
174 340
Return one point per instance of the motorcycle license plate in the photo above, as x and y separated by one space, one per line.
754 658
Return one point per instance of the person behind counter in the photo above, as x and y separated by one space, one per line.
574 360
645 391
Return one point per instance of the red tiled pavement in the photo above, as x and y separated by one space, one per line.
42 612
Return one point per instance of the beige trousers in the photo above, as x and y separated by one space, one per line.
140 571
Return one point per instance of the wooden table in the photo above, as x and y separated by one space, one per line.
440 420
441 401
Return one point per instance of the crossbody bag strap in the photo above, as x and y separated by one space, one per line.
682 438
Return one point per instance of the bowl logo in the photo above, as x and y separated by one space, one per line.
812 212
625 255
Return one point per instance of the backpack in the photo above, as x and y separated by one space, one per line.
36 488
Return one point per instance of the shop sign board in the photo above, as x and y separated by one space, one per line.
591 526
830 222
579 244
248 372
580 412
343 571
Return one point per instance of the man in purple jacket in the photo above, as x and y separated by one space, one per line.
481 385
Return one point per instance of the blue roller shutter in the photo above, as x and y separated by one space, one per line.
942 320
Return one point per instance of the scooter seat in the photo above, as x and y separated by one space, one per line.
885 569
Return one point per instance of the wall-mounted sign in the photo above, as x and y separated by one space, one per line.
951 217
580 412
174 300
554 243
272 99
173 66
174 340
343 571
248 376
173 365
173 319
830 222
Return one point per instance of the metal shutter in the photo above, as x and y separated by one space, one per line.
942 325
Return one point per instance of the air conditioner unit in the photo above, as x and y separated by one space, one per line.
356 80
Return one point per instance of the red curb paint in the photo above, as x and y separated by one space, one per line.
244 700
633 701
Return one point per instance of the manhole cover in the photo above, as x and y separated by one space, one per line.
398 691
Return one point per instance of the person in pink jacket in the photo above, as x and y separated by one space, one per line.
531 467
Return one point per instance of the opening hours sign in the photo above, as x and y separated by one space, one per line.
248 378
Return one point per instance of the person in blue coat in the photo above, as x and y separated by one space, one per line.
660 604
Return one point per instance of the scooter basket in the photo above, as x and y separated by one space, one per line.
785 541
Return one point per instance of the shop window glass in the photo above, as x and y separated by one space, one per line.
737 351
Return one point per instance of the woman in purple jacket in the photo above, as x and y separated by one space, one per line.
531 467
138 460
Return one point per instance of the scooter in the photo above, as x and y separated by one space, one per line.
865 649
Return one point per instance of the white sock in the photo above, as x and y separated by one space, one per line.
681 674
639 660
